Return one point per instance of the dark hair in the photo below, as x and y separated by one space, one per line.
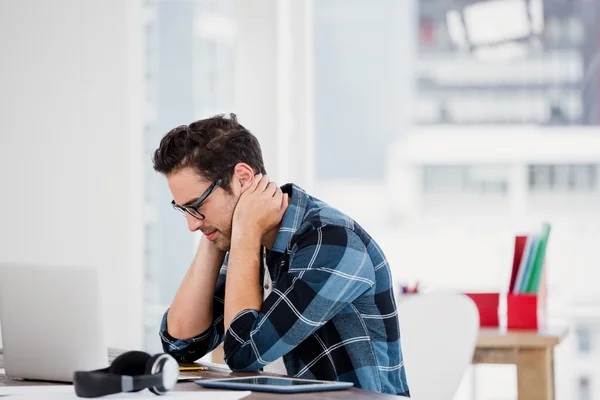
212 147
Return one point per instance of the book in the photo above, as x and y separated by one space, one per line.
529 266
520 242
533 284
523 264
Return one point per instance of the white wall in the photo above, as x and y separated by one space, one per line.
273 84
70 142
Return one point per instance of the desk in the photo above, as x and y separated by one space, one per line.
531 351
353 393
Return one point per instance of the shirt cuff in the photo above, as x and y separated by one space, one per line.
175 344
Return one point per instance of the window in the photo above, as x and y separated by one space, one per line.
465 179
444 179
540 177
584 388
583 335
563 177
583 177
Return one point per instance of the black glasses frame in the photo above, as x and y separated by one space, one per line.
193 209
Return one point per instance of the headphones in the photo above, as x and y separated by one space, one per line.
129 372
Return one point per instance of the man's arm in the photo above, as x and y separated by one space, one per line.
191 312
243 276
258 211
192 347
329 268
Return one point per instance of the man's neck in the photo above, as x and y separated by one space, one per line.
269 239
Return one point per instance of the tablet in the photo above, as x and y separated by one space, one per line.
273 384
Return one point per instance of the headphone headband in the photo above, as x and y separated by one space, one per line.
96 383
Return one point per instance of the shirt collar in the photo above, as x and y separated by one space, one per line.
293 217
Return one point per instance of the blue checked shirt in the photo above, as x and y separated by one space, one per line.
331 313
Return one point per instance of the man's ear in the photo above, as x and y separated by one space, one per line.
243 176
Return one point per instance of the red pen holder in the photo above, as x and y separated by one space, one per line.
487 304
523 311
527 310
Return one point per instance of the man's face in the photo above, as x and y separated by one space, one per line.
186 187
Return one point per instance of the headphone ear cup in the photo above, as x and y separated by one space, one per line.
164 365
130 363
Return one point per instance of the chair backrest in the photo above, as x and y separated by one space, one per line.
439 333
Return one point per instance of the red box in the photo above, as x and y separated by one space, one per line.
523 311
487 304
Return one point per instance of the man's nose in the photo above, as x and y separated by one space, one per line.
193 223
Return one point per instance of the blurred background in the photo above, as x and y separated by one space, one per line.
444 127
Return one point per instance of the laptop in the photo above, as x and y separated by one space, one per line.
51 321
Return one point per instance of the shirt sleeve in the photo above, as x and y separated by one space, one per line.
329 268
190 350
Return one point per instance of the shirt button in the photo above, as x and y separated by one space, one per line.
266 286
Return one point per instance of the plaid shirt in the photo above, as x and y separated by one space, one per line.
331 314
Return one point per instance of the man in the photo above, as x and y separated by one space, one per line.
278 273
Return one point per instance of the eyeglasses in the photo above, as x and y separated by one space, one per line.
192 209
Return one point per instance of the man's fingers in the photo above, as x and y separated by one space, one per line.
264 182
262 185
272 189
255 183
285 201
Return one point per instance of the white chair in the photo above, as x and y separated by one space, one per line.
438 333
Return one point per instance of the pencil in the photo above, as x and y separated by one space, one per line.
198 368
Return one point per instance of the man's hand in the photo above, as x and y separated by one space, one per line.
260 208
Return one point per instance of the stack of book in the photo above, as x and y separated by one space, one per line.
528 262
